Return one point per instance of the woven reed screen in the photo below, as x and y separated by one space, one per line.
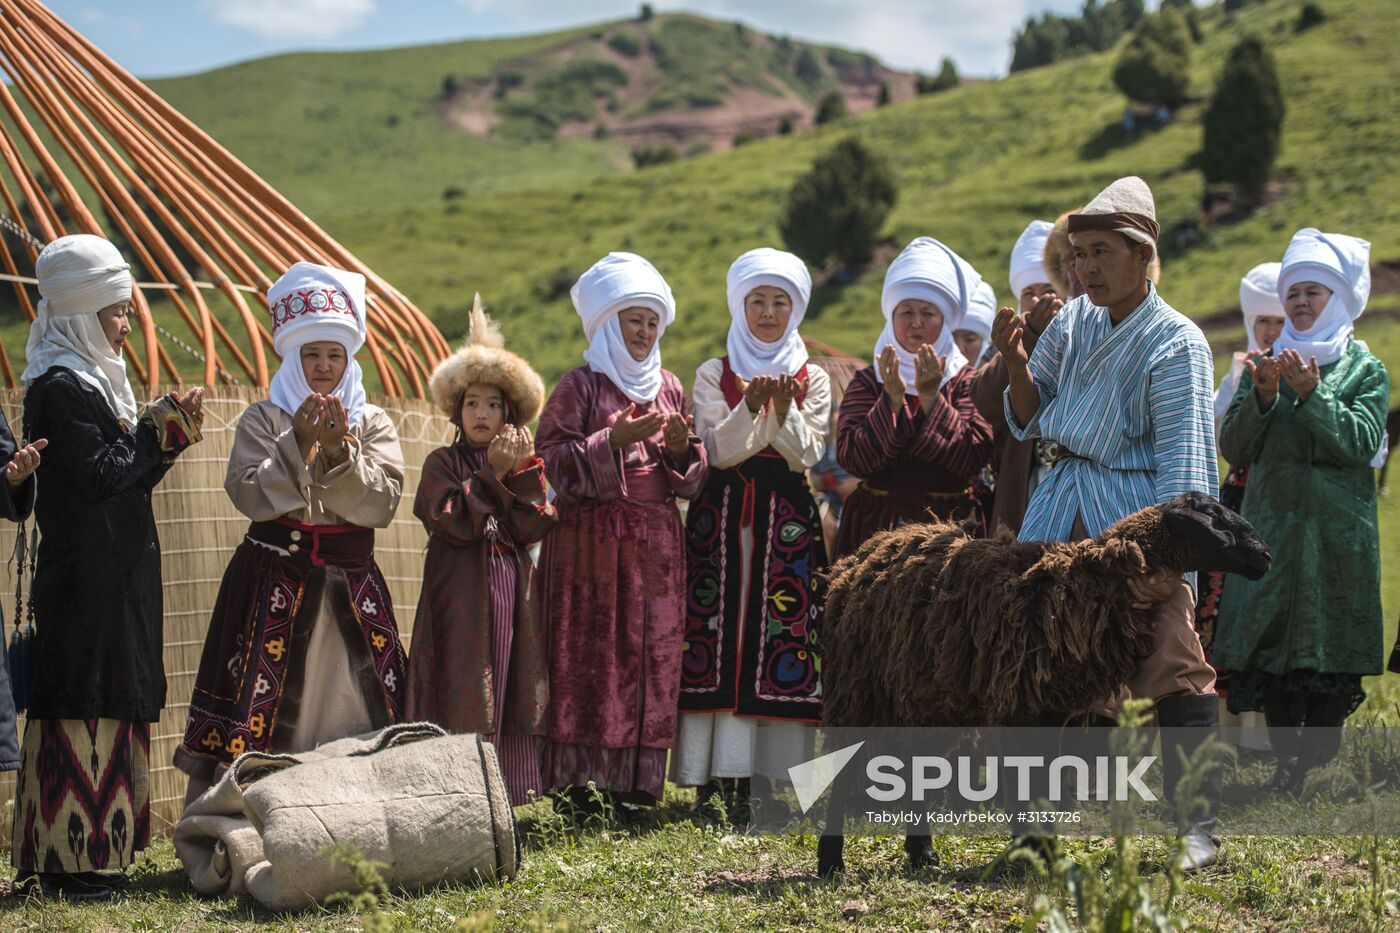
199 529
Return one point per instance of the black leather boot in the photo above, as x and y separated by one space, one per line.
1321 736
1283 739
1187 722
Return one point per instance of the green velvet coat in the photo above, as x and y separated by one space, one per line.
1312 497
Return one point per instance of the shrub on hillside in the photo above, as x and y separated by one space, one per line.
1154 67
646 12
1244 123
786 125
946 78
1309 16
808 69
884 97
1051 37
449 87
643 156
831 107
625 44
743 138
839 206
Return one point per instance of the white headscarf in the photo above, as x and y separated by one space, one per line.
749 356
1259 297
927 271
615 283
981 313
312 303
80 275
1028 257
1343 264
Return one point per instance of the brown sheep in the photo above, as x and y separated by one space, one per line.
926 625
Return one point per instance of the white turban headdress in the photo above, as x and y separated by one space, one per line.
311 304
79 275
1343 264
748 355
927 270
614 283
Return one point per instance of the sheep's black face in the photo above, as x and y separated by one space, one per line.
1213 537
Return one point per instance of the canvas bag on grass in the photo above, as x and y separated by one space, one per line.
430 807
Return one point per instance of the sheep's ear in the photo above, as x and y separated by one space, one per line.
1124 556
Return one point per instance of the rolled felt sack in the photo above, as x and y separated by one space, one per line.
427 806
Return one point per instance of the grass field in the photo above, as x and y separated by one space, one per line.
973 166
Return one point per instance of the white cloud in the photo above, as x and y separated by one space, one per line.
292 19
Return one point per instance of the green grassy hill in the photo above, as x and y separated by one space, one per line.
401 126
973 165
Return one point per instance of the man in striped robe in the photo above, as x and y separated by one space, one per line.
1122 383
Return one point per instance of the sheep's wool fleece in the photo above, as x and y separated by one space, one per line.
483 359
1028 257
431 807
1343 264
926 270
79 275
611 285
749 356
310 304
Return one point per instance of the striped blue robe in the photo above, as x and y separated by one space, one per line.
1136 400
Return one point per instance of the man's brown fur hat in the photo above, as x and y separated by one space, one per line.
484 359
1058 256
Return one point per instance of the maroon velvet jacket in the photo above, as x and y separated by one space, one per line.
914 465
467 511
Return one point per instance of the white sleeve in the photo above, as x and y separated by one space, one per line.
731 435
801 436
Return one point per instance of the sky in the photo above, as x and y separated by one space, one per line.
153 38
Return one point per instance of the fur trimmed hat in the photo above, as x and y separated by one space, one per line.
1059 254
484 359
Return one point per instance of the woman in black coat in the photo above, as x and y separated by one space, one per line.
83 794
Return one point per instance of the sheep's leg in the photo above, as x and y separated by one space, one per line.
829 860
919 848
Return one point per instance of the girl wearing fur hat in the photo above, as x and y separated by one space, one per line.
1308 421
754 545
478 662
303 647
907 425
618 450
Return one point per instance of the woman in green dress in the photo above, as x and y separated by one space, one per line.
1308 420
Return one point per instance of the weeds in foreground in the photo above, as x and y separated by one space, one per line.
1109 891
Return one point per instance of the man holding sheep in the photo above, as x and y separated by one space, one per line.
1123 384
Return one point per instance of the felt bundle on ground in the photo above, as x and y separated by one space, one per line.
428 806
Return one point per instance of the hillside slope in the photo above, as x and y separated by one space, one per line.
403 126
973 165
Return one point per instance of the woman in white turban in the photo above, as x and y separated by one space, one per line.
754 547
1307 422
907 425
618 451
303 647
82 809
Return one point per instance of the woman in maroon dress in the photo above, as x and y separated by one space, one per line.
907 424
618 450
